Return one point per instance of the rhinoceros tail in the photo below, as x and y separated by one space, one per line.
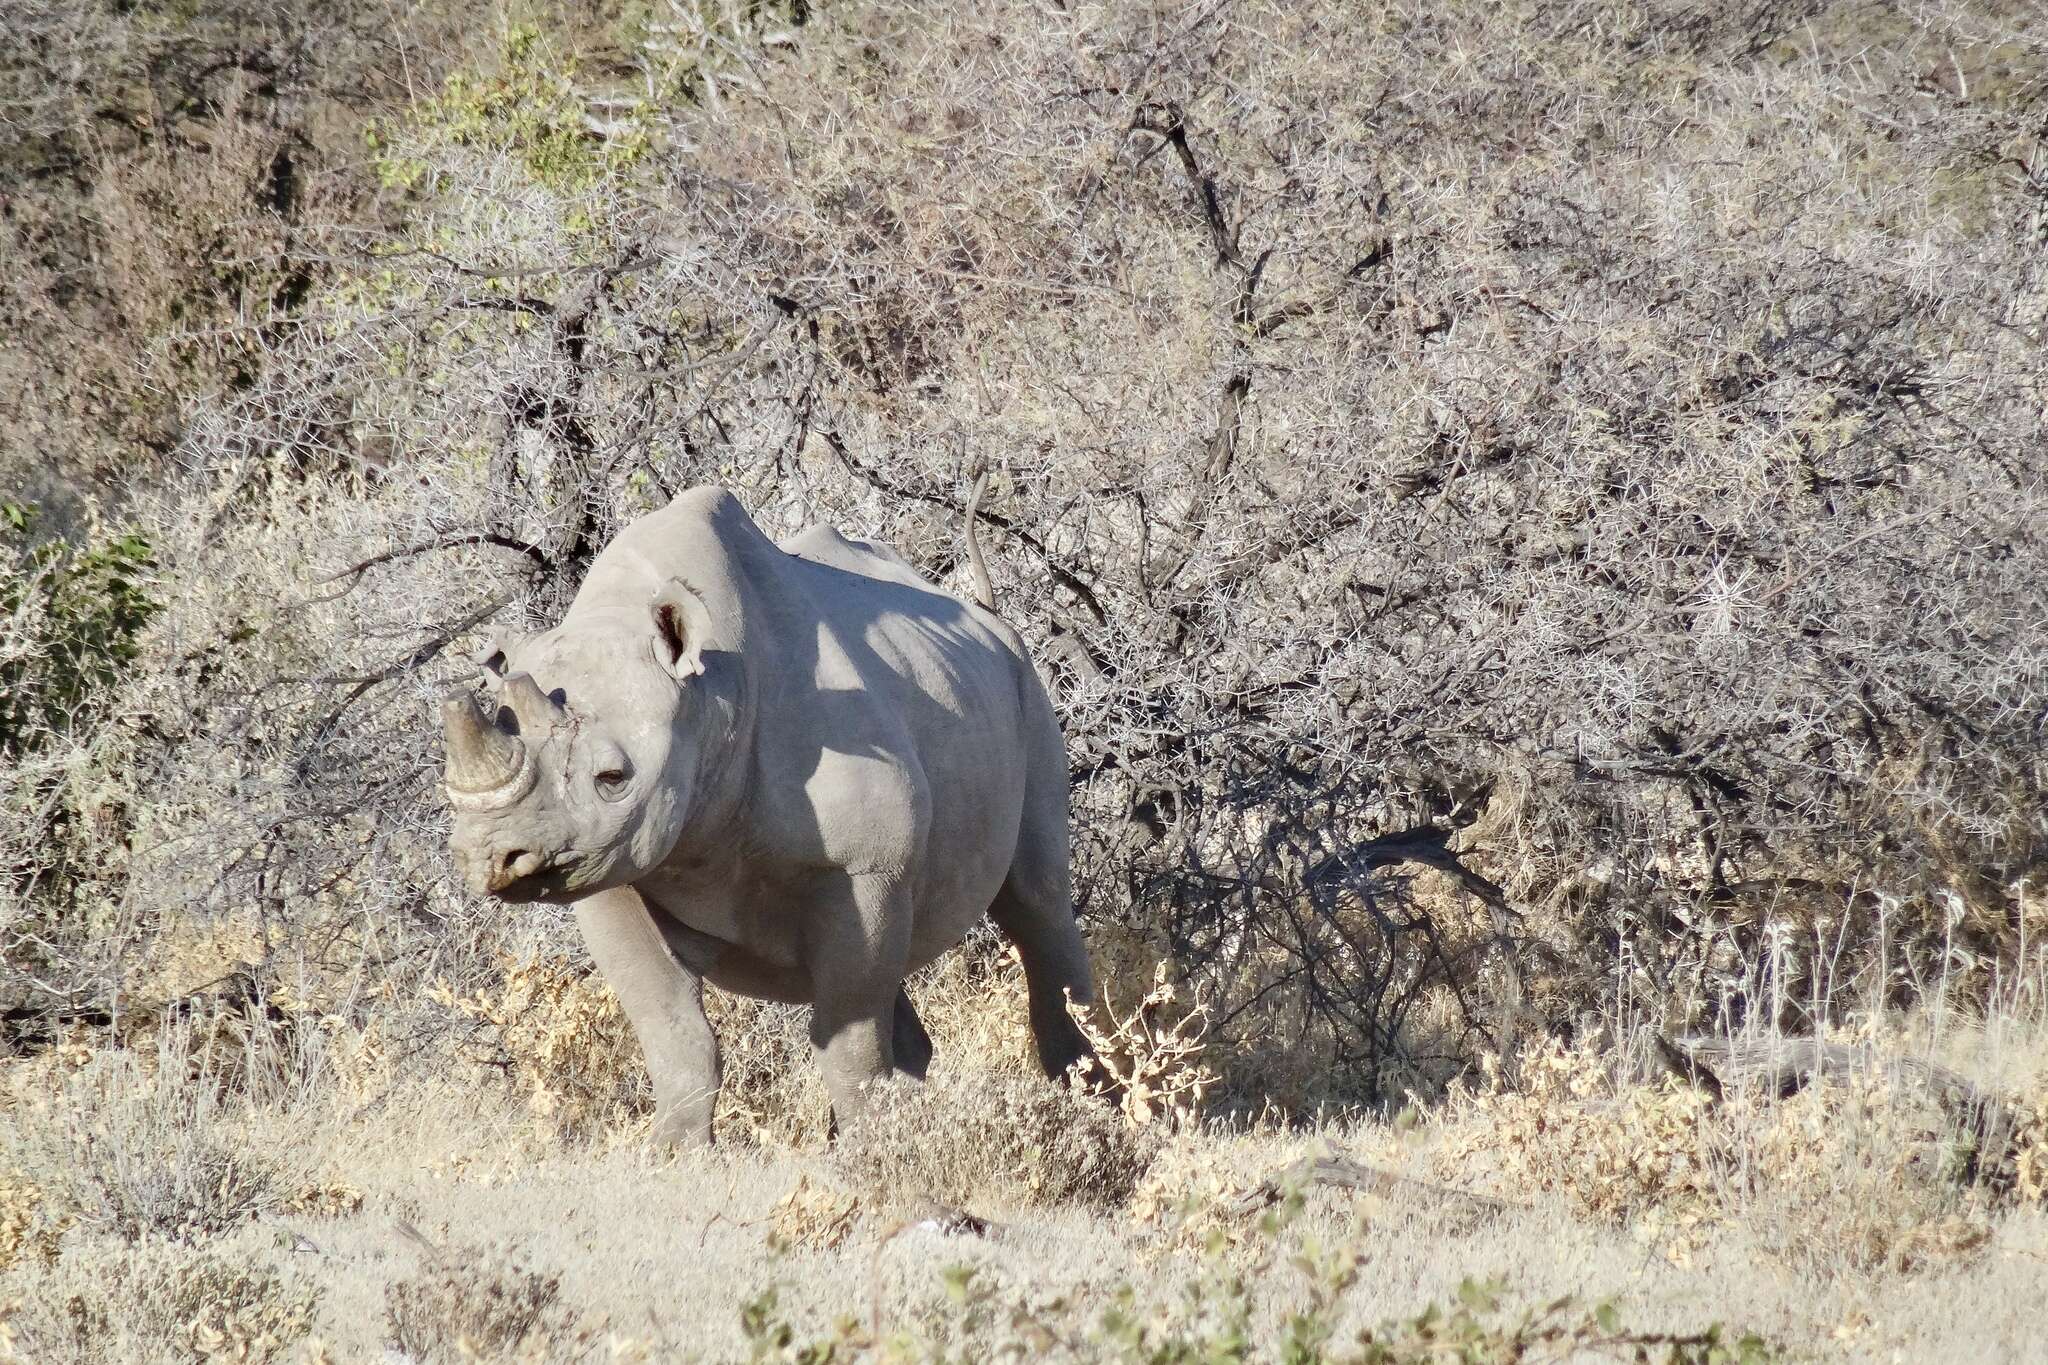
984 591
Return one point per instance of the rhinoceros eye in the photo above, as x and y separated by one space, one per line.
612 783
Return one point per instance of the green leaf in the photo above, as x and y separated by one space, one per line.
1481 1296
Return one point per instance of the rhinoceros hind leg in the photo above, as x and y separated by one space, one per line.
913 1045
1035 907
1048 940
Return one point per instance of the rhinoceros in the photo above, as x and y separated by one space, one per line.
798 771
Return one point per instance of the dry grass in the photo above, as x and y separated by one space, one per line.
1836 1180
1826 1222
133 1144
549 1032
554 1036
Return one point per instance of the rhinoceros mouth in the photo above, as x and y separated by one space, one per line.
496 798
547 884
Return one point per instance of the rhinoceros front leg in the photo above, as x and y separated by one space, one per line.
664 1002
858 943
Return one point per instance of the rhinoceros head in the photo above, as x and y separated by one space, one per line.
578 774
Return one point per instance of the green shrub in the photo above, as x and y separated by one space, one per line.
75 620
528 106
71 625
1216 1321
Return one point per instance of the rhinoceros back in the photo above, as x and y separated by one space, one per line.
869 558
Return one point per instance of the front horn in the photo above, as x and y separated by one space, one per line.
487 768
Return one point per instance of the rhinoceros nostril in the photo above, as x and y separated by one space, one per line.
514 863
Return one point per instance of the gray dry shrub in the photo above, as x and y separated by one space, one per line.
970 1138
155 1302
134 1146
481 1303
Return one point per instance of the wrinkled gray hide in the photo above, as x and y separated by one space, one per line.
796 772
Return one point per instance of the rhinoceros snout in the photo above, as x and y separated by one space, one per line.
496 871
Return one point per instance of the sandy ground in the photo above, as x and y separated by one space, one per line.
667 1253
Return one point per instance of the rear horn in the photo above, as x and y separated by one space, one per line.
537 711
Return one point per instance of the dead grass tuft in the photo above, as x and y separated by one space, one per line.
28 1230
481 1303
132 1145
1153 1054
974 1004
552 1031
969 1138
556 1034
814 1215
2030 1157
771 1093
1639 1154
1858 1177
328 1197
158 1301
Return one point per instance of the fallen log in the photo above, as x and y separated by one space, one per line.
1782 1067
26 1030
1352 1175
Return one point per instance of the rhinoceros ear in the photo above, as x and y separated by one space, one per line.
680 622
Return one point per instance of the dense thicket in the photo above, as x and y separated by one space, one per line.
169 175
1533 511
